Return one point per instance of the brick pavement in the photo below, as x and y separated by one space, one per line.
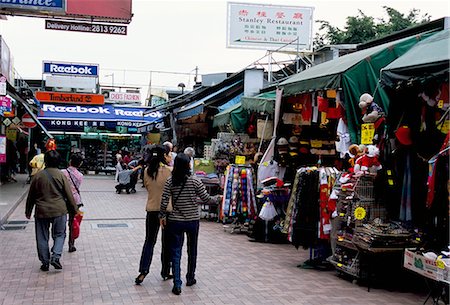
231 270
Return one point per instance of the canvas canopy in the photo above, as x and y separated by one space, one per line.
354 74
235 115
427 59
264 102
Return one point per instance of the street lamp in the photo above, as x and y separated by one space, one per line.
182 86
112 78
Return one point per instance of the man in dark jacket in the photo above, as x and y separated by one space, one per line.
48 193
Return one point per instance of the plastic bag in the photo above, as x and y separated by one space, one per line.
76 225
268 211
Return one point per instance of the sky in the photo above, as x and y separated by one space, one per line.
167 40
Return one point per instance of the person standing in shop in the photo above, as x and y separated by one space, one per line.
52 199
183 189
190 152
155 177
75 178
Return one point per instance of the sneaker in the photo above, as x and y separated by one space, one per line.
72 249
176 290
191 282
44 267
55 263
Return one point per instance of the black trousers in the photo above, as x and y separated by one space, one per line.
151 234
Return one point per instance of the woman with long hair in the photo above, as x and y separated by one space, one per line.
155 176
183 189
75 177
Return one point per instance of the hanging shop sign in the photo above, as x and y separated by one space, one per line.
39 5
5 105
11 134
70 98
367 133
269 27
96 28
2 149
70 68
2 85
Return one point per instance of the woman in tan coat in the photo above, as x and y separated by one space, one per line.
155 177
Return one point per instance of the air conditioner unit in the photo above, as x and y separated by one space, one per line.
62 89
84 90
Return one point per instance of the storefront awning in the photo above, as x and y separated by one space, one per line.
197 107
428 58
328 75
224 118
264 102
75 117
30 112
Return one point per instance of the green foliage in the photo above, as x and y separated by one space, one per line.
363 28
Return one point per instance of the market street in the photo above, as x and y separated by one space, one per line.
230 269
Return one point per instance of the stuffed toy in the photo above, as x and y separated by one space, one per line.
369 161
355 152
372 112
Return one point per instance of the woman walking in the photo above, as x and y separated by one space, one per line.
49 191
185 217
155 177
75 178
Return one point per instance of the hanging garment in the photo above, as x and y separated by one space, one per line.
405 205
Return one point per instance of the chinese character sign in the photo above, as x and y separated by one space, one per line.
269 27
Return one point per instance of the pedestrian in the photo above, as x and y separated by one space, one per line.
183 189
170 152
190 152
120 166
37 163
52 199
155 177
75 178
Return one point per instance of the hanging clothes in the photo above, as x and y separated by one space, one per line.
239 196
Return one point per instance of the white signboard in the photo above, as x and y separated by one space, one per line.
71 81
269 27
124 97
2 85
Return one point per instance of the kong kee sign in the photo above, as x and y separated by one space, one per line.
70 98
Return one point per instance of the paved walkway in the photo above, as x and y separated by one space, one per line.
231 270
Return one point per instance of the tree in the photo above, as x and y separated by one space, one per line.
363 28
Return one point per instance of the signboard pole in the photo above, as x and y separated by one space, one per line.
29 144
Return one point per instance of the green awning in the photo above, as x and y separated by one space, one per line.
235 115
428 58
355 74
328 75
264 102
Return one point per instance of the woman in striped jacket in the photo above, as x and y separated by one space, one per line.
183 189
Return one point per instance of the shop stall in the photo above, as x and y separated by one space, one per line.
418 85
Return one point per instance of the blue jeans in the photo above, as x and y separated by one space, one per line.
176 230
42 226
151 234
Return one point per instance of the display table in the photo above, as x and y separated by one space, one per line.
435 273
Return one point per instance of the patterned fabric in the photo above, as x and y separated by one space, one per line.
73 175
